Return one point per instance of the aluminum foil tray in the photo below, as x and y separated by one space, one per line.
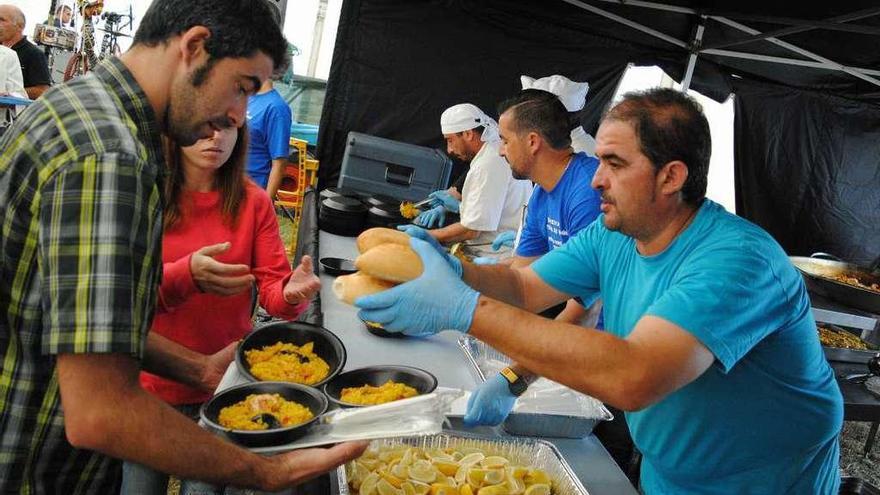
535 453
547 409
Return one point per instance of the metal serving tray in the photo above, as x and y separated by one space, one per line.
572 414
535 453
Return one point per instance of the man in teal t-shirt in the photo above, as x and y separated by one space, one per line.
709 344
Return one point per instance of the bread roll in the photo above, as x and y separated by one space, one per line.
350 287
391 262
371 238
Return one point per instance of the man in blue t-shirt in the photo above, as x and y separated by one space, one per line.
268 120
709 343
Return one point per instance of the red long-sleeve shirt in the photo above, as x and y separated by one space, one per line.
205 322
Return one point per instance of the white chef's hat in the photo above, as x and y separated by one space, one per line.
466 116
572 94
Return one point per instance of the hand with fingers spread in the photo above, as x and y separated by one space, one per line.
303 283
216 277
420 233
437 300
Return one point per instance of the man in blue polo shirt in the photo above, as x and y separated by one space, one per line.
709 343
268 120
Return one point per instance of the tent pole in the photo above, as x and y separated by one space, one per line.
695 51
801 51
627 22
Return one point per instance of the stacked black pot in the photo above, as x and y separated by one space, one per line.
384 211
341 212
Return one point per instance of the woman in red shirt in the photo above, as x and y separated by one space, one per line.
221 237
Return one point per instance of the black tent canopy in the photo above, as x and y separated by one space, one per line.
806 79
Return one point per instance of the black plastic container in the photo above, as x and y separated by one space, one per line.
417 378
342 215
382 200
309 397
326 345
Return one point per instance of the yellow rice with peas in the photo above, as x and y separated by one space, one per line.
244 415
370 395
287 362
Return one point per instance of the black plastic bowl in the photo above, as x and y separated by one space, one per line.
314 400
337 266
416 378
327 345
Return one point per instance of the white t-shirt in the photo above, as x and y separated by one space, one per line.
11 81
491 199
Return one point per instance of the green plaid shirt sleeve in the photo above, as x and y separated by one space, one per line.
94 254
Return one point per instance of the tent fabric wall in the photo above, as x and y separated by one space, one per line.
808 170
398 64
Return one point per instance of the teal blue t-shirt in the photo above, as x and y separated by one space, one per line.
765 417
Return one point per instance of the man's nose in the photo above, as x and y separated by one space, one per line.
598 181
238 112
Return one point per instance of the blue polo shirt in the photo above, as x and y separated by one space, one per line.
554 216
268 120
766 416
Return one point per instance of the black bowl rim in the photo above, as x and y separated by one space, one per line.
333 270
322 398
382 367
245 370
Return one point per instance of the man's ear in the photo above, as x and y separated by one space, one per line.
672 177
192 44
535 141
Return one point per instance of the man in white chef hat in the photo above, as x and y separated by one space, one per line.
573 96
491 199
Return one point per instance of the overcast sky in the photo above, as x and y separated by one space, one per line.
298 26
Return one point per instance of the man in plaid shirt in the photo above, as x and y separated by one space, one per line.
81 177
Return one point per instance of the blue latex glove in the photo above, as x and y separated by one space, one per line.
490 403
420 233
505 238
436 300
485 260
436 216
443 198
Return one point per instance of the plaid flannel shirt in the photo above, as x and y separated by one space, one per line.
80 263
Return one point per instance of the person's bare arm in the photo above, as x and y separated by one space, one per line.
168 359
35 92
454 233
656 359
519 287
523 261
119 419
275 176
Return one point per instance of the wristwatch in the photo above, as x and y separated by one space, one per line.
516 383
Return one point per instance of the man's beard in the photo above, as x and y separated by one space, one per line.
182 114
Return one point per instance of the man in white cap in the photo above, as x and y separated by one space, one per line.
492 198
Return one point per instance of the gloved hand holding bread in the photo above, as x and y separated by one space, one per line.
386 260
432 297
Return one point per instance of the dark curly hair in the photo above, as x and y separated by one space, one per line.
670 125
239 28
